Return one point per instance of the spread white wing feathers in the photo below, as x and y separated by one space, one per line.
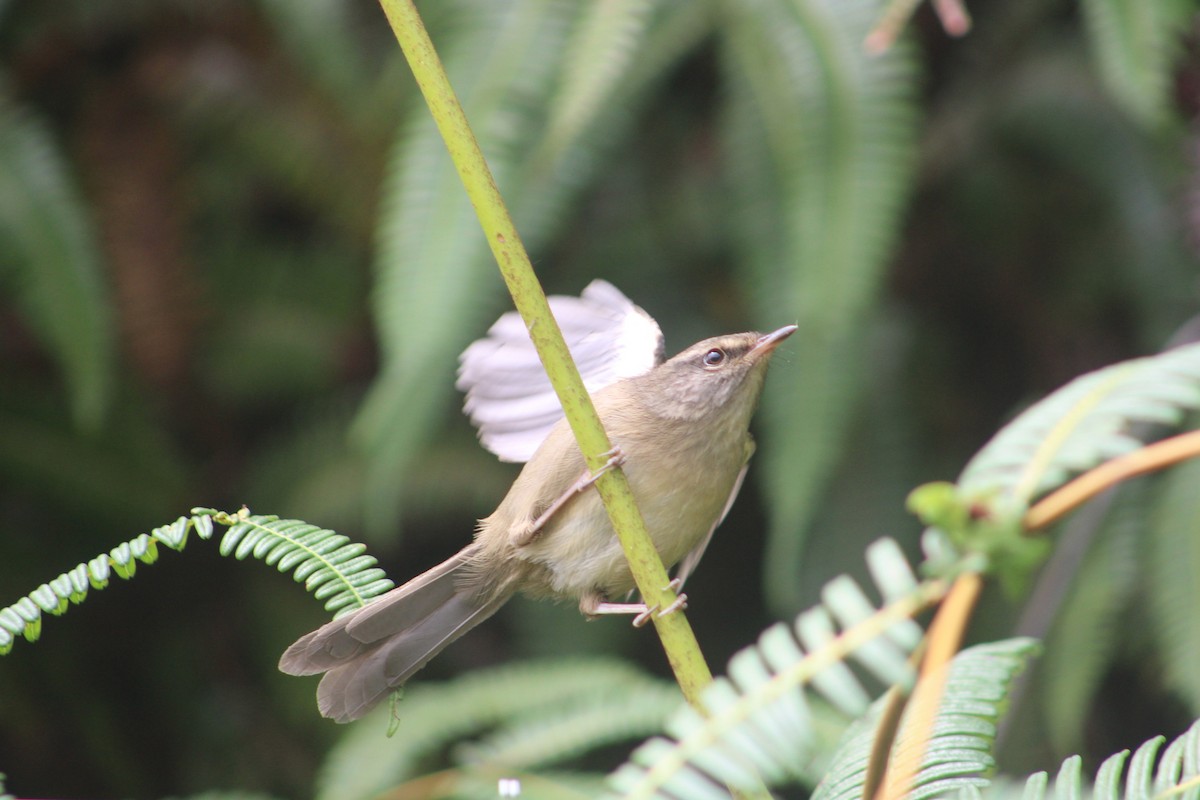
510 399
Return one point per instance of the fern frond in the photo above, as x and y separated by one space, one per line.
760 721
1082 424
24 617
518 711
959 753
821 142
331 567
47 239
1177 773
1135 44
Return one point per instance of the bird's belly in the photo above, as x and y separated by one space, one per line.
582 554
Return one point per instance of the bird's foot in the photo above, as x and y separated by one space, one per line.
594 605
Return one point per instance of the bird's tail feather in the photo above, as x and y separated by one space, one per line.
368 653
351 690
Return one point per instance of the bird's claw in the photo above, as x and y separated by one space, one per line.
678 604
614 457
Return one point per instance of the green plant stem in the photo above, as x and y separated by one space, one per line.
683 651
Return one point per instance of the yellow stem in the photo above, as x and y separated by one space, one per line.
1147 459
942 642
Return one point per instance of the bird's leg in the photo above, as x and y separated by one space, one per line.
522 537
593 604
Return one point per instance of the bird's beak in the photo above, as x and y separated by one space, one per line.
768 342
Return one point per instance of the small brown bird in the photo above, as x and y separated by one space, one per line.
681 432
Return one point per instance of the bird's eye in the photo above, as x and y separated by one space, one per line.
714 357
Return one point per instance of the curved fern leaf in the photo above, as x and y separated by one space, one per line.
821 142
1082 424
761 721
334 569
24 618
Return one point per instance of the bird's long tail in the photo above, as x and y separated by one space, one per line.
366 654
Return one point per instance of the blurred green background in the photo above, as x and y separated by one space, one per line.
236 268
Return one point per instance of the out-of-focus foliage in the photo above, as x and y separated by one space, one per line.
768 718
510 721
821 143
48 244
1135 45
235 267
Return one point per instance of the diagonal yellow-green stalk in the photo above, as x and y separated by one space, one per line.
683 652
